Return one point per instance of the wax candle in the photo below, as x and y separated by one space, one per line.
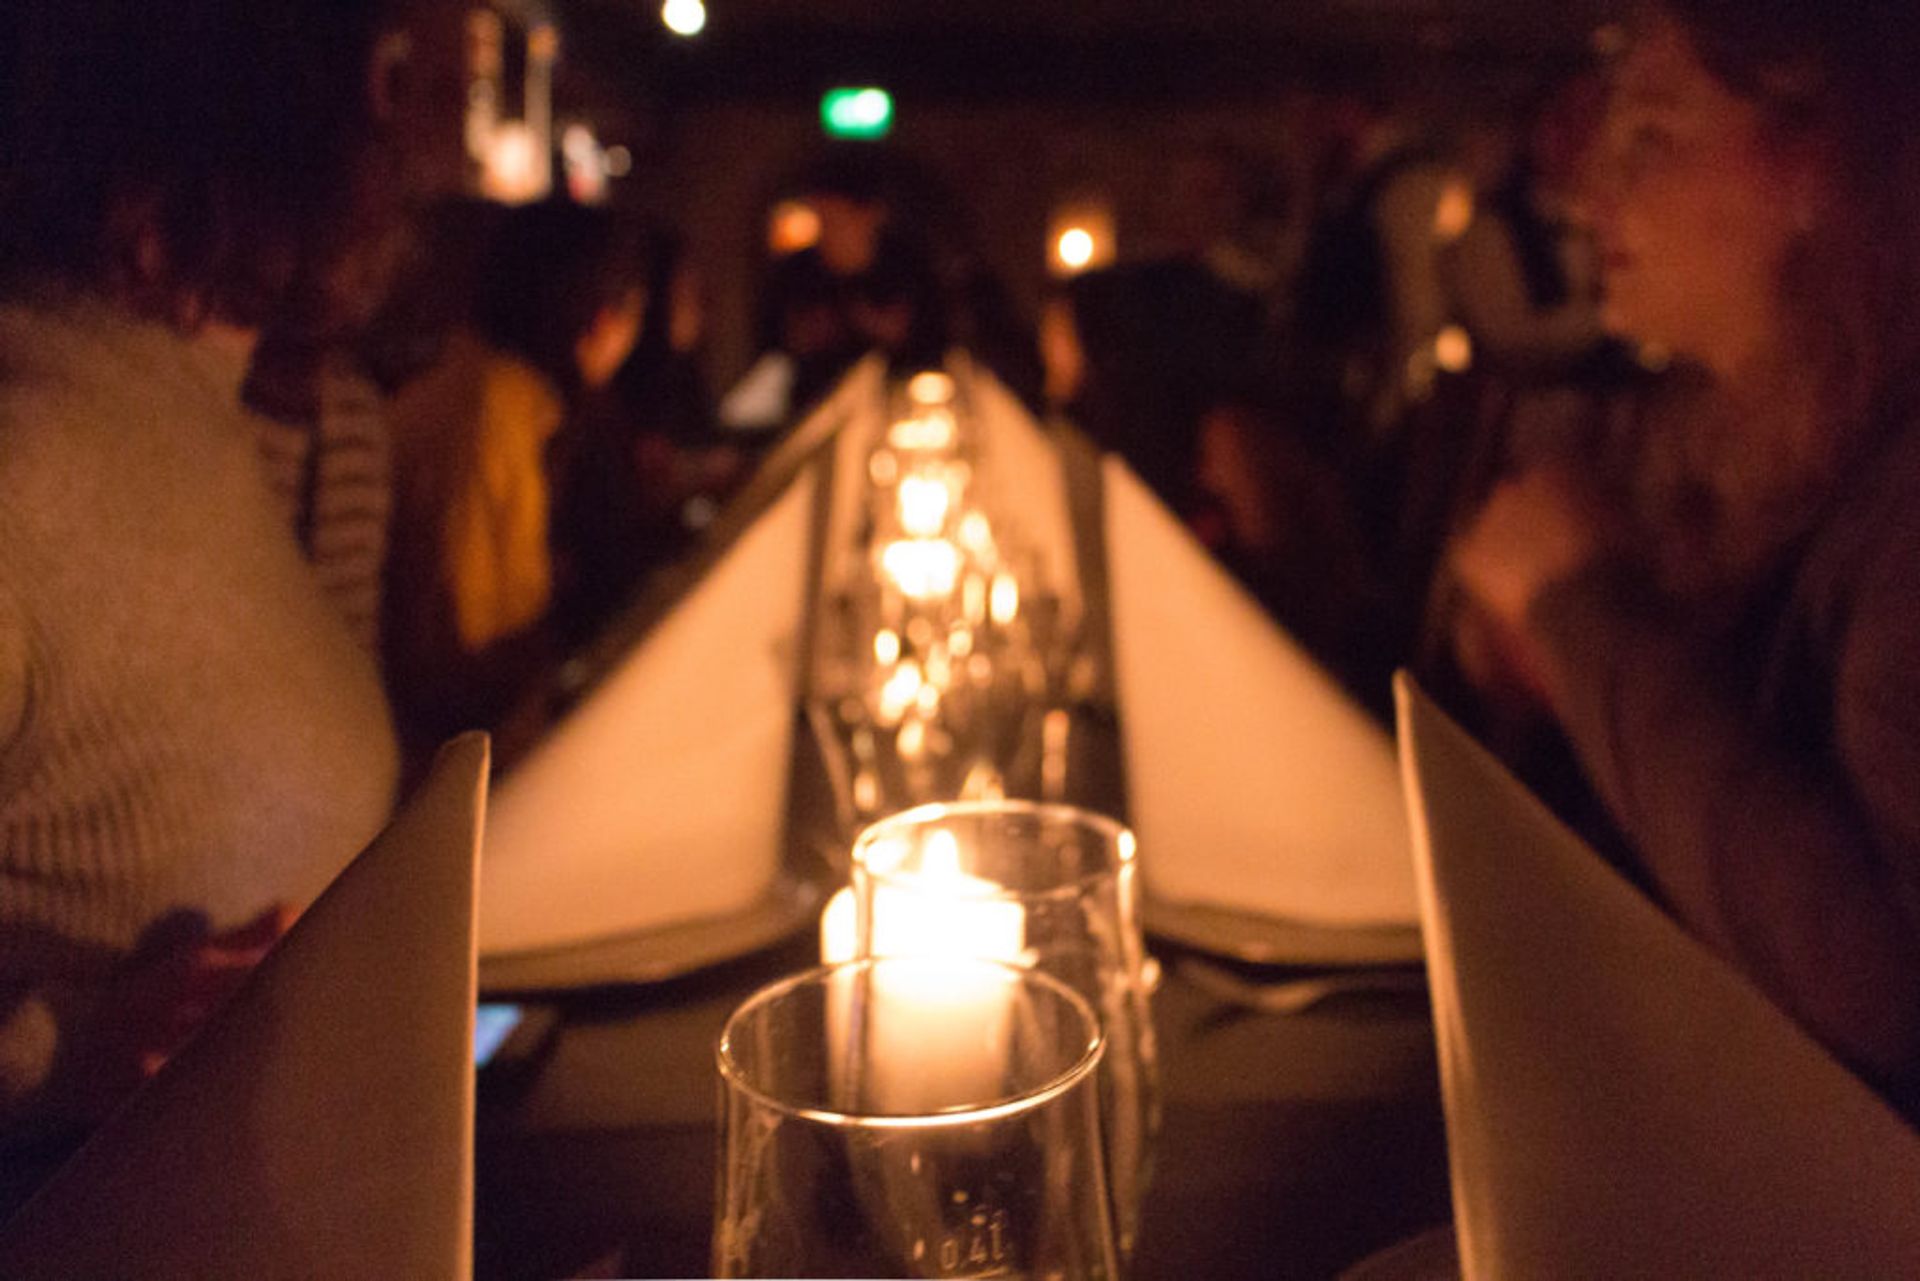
936 1033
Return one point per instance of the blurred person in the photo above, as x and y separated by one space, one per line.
191 743
1370 296
1273 511
323 438
471 576
647 462
867 284
1724 624
1136 355
1523 278
1366 342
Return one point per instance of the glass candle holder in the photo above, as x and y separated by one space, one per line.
912 1118
1051 888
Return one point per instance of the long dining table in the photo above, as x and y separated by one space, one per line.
1301 1128
1291 1144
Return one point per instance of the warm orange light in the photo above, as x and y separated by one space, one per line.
930 387
1454 214
1075 248
934 430
512 172
793 225
924 501
922 568
1453 350
1080 237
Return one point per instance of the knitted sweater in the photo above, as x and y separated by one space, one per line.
187 732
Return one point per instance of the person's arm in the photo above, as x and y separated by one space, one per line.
1798 867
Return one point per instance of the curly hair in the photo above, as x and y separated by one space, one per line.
1839 79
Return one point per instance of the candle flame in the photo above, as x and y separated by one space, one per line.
932 430
924 501
922 568
1005 603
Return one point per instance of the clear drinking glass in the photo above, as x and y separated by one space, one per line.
1049 887
912 1118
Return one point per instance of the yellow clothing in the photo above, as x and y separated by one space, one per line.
470 439
494 535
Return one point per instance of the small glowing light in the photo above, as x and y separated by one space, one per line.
980 668
684 17
1080 236
924 501
913 740
578 145
929 699
865 113
884 856
960 640
939 670
512 173
933 430
1454 213
883 468
1075 248
1453 350
1004 604
866 791
976 534
839 926
886 647
983 783
901 691
792 225
618 162
973 600
930 388
922 568
941 858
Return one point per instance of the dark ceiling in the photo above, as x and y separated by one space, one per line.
1089 49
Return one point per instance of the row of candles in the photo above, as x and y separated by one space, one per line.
937 684
939 633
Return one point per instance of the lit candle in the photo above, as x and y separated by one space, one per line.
937 910
933 430
924 501
922 568
1004 602
929 1046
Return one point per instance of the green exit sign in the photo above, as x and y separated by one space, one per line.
856 113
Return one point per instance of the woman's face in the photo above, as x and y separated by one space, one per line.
1694 210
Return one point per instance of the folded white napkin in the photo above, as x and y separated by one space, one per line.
321 1125
1619 1101
1256 783
662 797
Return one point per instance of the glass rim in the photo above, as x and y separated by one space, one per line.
959 1114
1118 836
